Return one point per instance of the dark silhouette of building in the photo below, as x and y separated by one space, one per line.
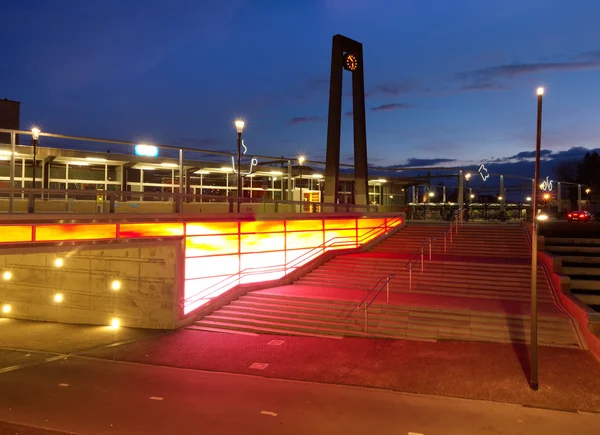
10 117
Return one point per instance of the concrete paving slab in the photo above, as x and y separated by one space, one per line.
63 338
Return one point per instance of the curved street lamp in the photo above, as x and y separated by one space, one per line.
239 127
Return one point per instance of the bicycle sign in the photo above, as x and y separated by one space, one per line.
546 185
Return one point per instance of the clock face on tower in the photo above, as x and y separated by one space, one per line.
350 62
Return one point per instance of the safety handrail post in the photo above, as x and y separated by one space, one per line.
421 259
430 239
388 290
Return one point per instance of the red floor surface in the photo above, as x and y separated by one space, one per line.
569 379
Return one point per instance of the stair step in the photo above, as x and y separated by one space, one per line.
272 301
391 319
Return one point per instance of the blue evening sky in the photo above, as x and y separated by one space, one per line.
446 79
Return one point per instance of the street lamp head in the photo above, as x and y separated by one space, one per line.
432 194
540 90
301 159
588 190
468 176
239 125
528 199
35 133
500 198
546 196
471 196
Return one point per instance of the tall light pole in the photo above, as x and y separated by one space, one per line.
301 160
534 238
239 127
35 135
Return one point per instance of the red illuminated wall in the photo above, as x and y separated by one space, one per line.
221 255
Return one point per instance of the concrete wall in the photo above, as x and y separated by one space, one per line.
148 297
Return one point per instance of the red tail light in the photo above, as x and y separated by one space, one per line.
569 215
581 215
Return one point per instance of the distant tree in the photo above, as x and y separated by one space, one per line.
589 171
567 170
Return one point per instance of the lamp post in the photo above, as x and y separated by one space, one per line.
35 135
239 127
301 160
534 236
467 178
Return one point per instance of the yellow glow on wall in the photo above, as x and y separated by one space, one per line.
199 246
262 227
210 228
340 239
340 223
304 239
370 223
202 267
307 225
15 233
262 242
63 232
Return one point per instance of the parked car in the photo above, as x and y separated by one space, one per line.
580 216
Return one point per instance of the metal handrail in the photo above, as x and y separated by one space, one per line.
372 299
113 197
419 253
334 241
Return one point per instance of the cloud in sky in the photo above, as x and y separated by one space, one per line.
303 120
490 74
390 106
393 89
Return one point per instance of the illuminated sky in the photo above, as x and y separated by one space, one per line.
445 79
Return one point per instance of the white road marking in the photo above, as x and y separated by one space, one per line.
63 385
259 366
414 433
156 398
276 342
271 413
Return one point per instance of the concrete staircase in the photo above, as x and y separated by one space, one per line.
504 241
445 278
581 262
281 314
479 290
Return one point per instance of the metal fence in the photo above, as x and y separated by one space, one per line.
19 200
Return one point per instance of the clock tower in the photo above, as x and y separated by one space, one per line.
346 54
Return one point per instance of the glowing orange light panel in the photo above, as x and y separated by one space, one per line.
134 231
15 233
221 255
64 232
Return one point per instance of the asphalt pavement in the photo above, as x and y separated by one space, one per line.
90 396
